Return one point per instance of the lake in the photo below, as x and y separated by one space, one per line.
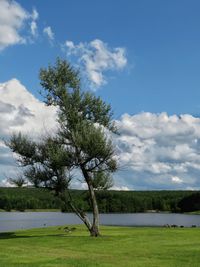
10 221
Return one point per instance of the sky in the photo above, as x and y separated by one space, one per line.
142 57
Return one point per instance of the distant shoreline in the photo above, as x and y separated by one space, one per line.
40 199
32 210
147 211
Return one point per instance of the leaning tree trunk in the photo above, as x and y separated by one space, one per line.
94 230
78 212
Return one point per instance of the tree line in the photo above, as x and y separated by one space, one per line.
108 201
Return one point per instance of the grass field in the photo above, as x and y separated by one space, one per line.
118 246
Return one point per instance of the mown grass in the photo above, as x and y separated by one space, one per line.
118 246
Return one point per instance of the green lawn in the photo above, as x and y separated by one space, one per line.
118 246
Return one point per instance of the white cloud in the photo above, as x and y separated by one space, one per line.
12 17
21 111
97 58
49 33
5 183
70 45
35 14
120 188
33 28
13 21
157 149
176 180
33 25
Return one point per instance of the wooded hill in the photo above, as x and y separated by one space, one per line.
109 201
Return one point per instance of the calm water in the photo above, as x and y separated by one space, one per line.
24 220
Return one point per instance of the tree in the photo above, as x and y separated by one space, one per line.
18 182
190 203
102 181
82 141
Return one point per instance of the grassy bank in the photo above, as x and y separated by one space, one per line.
118 246
34 210
194 212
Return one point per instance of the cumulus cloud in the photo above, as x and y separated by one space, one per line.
155 151
21 111
13 19
97 58
159 151
5 183
49 33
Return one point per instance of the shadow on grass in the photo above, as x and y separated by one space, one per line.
10 235
67 233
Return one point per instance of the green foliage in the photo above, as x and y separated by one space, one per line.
108 201
190 203
27 198
24 147
61 84
102 181
56 80
81 141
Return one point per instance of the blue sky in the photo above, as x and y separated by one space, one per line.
152 54
161 38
